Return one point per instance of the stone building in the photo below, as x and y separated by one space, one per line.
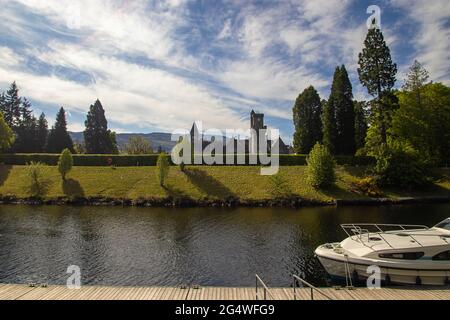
256 123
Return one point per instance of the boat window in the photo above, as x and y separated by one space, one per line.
443 256
444 225
403 255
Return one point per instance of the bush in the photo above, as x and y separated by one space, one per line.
399 165
321 165
65 163
163 168
37 185
367 186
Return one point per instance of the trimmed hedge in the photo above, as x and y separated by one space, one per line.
82 160
150 160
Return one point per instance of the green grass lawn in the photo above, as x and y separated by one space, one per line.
197 183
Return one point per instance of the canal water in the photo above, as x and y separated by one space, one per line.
172 247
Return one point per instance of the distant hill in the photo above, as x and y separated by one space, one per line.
156 139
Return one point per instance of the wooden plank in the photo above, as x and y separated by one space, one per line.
14 292
23 292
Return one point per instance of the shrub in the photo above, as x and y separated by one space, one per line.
399 165
367 186
321 167
163 168
36 179
65 163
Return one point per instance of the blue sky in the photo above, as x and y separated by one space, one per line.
160 65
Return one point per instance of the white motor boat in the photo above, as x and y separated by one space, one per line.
405 254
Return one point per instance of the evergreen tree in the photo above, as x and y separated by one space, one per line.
339 116
11 106
42 133
416 78
58 138
345 114
307 120
361 124
329 126
26 138
377 73
97 138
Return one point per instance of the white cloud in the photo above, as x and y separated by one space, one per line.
432 39
132 94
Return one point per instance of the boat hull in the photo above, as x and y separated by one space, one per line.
359 272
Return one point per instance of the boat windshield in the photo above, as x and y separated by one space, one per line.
444 224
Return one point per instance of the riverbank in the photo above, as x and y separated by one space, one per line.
204 187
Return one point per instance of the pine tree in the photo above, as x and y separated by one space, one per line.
42 133
415 81
26 139
307 120
339 116
361 125
11 106
97 138
416 78
329 122
58 138
377 73
345 115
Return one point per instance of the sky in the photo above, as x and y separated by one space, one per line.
161 65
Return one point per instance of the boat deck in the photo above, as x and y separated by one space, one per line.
24 292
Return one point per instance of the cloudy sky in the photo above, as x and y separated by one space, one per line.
160 65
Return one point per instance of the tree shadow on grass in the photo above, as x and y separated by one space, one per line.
72 188
174 192
337 192
208 185
4 173
40 188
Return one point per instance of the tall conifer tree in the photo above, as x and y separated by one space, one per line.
307 121
11 106
42 133
97 138
58 138
339 115
377 73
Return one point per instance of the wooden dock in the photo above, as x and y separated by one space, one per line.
24 292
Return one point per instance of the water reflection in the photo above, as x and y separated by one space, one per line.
139 246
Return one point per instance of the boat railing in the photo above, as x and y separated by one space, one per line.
312 288
265 289
364 232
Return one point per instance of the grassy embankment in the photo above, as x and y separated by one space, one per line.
196 183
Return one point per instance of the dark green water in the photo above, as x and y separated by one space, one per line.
139 246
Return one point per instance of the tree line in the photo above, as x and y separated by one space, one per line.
417 116
22 132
